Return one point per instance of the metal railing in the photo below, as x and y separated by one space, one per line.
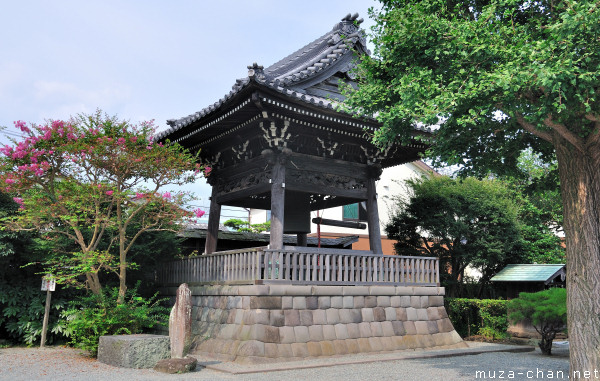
303 266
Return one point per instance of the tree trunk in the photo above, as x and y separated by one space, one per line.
93 283
580 187
122 267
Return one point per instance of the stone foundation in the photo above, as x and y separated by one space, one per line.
287 322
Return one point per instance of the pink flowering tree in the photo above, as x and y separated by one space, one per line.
92 179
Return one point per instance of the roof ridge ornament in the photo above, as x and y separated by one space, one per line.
256 71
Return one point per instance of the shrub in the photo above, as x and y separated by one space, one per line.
93 316
546 310
486 317
22 308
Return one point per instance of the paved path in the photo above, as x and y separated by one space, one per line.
56 363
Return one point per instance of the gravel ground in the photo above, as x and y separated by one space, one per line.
57 363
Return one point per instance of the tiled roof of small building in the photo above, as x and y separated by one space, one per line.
528 273
290 76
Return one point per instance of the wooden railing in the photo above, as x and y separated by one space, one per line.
302 265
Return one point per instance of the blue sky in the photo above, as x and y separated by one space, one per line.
147 59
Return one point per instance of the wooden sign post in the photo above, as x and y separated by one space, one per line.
48 285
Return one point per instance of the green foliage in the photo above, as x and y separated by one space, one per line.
484 72
84 181
243 226
462 222
93 316
546 310
486 317
22 312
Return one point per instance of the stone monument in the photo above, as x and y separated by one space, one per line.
180 335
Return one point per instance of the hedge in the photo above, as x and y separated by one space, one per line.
486 317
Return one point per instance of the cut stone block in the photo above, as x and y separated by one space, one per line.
314 349
299 303
277 318
340 347
287 302
411 314
445 325
422 327
319 317
291 317
352 345
324 302
388 328
316 333
271 350
367 314
375 343
265 302
436 301
306 317
376 329
353 331
329 332
312 302
404 301
302 335
333 315
337 302
341 331
300 349
359 302
327 348
287 335
422 314
409 327
133 351
378 314
370 301
348 302
390 313
383 301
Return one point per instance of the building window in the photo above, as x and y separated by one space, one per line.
268 215
355 212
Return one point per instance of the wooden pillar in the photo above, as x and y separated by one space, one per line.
373 215
277 203
302 239
214 215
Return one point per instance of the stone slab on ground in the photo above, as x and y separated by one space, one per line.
177 365
133 351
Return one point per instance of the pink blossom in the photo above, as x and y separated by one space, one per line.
167 195
10 181
199 212
134 139
22 126
18 200
139 195
121 141
109 193
207 171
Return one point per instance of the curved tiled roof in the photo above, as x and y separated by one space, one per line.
328 54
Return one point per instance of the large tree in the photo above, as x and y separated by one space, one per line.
97 182
496 77
462 222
